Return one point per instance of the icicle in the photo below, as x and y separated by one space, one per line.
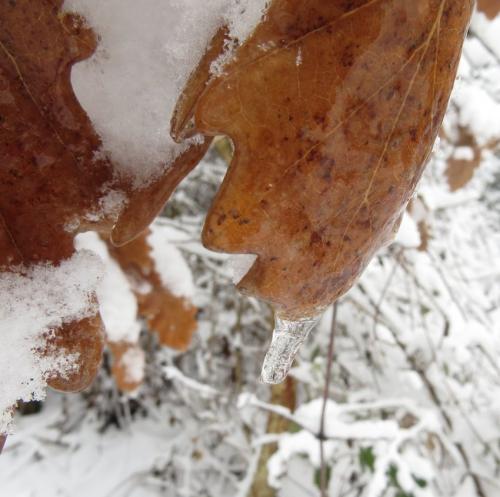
288 336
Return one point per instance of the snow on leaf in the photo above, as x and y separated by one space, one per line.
51 181
162 283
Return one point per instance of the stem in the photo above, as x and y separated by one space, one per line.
326 394
283 394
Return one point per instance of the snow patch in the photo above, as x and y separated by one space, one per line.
134 362
174 271
408 234
36 300
117 302
239 265
146 52
463 153
478 112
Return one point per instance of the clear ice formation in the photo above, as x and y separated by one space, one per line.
288 336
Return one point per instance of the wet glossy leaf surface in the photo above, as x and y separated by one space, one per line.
333 108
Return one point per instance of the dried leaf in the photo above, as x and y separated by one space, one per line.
171 317
50 180
86 339
333 108
54 179
490 7
459 171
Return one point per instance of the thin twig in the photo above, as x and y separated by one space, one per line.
485 44
476 479
326 394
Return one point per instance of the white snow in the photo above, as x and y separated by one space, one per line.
239 265
463 153
241 16
290 444
337 426
174 374
408 235
170 264
421 319
478 112
145 55
35 300
477 54
117 303
488 30
134 361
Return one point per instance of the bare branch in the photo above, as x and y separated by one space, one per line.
326 394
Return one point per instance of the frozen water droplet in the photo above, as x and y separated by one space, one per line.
288 336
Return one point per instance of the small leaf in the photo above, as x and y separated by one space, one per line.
490 7
367 458
171 317
420 482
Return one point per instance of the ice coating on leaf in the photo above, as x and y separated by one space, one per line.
288 336
35 301
145 55
328 151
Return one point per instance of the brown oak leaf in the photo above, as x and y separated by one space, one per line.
333 108
50 179
54 179
490 7
460 170
171 317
